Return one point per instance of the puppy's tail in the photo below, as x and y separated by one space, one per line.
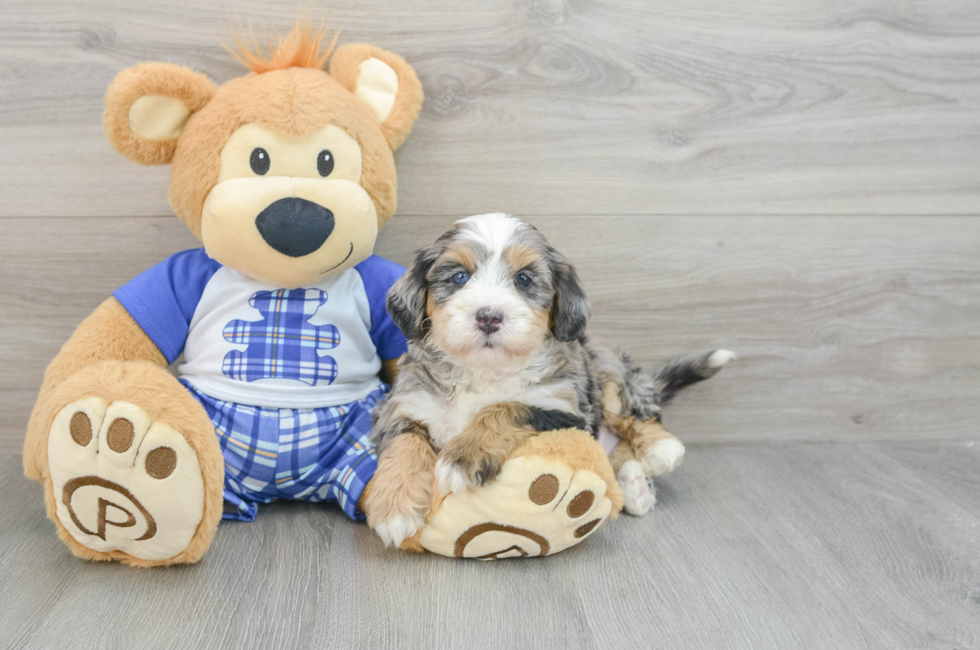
680 373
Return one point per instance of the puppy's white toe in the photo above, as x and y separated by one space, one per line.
663 456
638 491
450 478
399 528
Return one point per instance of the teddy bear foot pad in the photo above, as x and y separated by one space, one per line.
554 497
123 482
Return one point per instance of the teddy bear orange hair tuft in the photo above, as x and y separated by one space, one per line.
299 49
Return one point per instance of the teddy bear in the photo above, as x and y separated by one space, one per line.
286 175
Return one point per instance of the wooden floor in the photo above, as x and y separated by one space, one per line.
871 545
797 180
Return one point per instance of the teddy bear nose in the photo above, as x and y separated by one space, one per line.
294 226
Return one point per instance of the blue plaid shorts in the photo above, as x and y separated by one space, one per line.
320 454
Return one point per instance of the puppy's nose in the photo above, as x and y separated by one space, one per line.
489 319
295 227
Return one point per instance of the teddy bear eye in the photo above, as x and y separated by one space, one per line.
259 161
324 162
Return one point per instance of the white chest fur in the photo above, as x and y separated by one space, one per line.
447 417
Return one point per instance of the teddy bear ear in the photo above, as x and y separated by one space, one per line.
383 81
147 107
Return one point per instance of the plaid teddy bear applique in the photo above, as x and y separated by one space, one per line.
284 345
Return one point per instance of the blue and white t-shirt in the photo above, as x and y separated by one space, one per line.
251 343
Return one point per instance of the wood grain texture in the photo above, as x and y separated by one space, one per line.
815 546
15 409
846 328
688 157
548 107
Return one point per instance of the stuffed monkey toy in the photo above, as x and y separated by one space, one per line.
286 175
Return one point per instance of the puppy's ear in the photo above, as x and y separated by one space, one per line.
147 107
383 81
407 297
572 310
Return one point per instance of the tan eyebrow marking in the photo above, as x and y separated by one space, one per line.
463 255
520 256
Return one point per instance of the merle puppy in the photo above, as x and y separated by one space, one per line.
496 320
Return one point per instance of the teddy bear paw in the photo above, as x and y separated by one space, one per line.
123 482
535 506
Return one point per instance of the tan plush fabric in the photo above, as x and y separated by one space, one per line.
296 102
294 157
377 86
111 359
345 66
554 492
162 80
230 237
109 333
153 117
109 494
108 389
164 402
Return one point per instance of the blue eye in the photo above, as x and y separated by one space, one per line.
461 277
523 280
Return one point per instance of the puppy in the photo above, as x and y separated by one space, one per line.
496 321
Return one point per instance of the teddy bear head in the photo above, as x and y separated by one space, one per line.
285 174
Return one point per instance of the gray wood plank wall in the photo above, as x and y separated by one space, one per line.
794 179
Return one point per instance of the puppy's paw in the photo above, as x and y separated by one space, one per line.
663 456
459 476
450 477
397 500
639 495
396 529
462 466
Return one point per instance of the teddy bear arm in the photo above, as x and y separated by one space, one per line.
108 334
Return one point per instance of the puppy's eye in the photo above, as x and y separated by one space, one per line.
522 280
324 162
461 278
259 161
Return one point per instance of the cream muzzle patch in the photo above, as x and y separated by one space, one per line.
289 211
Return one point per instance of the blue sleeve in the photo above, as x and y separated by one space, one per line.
378 274
162 299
